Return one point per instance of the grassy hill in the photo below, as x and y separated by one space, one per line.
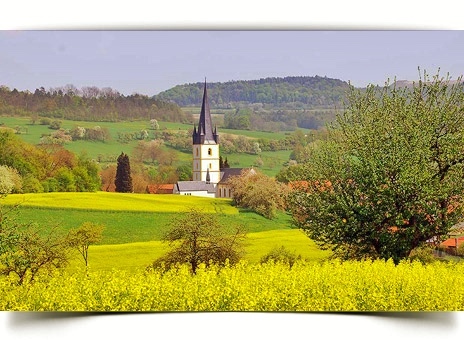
107 151
135 223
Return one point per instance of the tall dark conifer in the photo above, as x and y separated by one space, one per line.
123 180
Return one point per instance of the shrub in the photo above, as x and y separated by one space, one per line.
282 255
424 254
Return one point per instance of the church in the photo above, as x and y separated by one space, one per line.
209 179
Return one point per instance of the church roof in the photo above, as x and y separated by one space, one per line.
227 173
205 133
183 186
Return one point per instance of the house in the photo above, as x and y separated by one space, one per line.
452 244
160 189
209 179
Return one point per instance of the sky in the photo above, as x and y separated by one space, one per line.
151 61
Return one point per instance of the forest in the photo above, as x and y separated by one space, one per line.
87 104
288 92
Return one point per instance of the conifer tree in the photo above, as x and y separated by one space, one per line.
123 179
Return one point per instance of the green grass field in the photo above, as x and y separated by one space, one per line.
272 161
135 223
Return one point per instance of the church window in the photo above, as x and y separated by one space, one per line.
197 151
210 152
210 166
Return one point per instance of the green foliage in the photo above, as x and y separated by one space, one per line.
305 91
55 125
424 254
461 249
123 179
46 167
258 192
239 120
184 172
88 103
10 180
81 238
25 251
389 177
197 237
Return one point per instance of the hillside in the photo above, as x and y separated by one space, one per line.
269 104
288 92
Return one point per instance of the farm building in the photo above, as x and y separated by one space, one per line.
160 188
452 244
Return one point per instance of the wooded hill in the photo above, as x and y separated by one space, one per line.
87 104
288 92
269 104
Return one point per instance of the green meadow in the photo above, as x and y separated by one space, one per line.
135 223
110 149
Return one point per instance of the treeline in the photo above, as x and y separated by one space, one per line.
289 92
277 120
87 104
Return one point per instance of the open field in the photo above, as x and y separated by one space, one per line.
135 223
131 217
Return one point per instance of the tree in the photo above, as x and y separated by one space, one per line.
154 125
81 238
123 179
26 251
10 180
256 191
389 177
108 176
197 238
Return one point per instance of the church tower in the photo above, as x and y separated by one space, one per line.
205 147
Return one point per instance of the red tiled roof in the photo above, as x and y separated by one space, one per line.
160 188
451 242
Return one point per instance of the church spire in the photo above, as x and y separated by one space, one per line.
205 134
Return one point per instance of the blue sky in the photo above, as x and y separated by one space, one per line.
148 62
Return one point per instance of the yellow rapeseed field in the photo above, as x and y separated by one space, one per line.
307 286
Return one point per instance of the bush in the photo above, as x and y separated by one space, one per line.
461 249
55 125
281 255
424 254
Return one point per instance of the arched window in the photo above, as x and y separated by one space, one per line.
196 151
210 152
210 165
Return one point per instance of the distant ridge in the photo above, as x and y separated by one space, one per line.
302 91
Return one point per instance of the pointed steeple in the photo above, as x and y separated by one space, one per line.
205 134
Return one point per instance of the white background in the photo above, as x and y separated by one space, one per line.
238 14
